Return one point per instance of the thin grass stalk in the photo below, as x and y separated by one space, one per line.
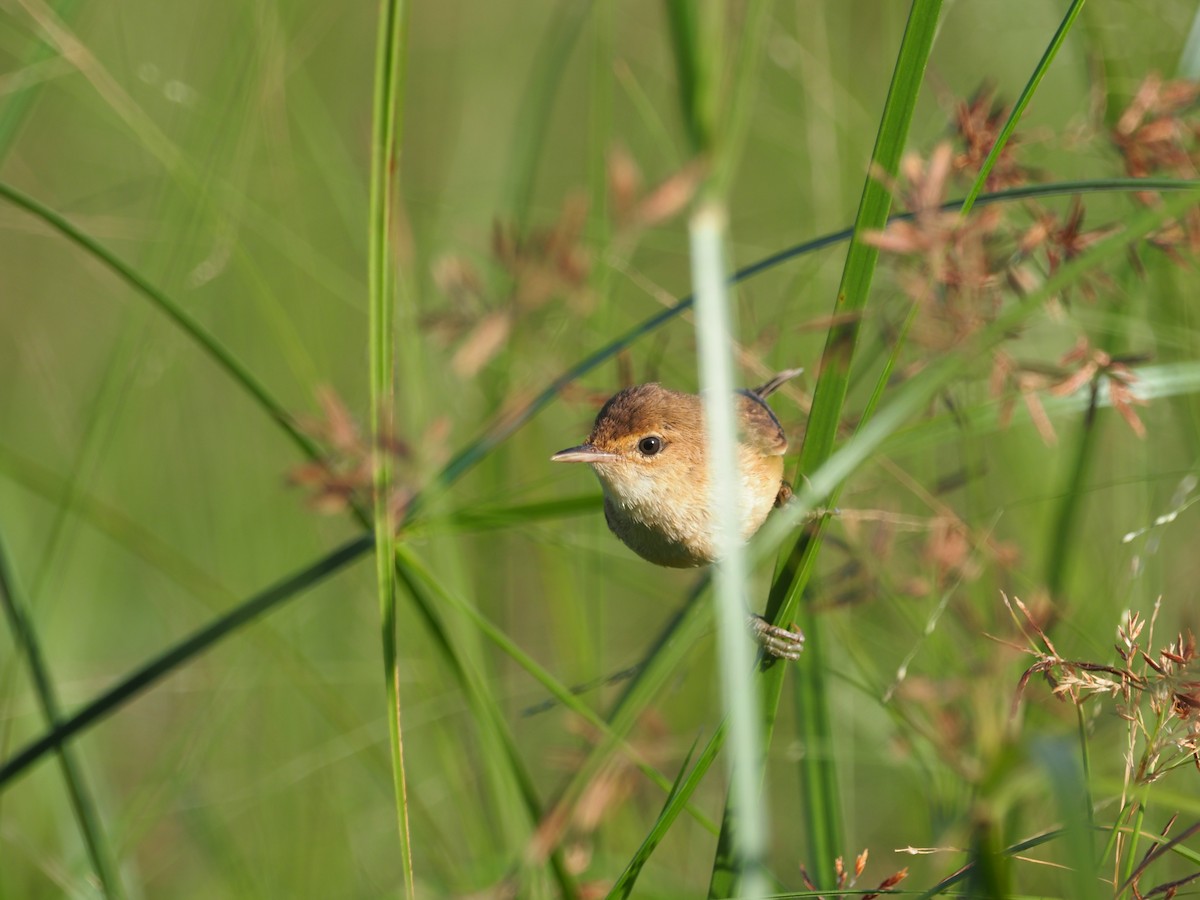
417 580
601 227
964 872
1031 86
95 839
735 653
385 143
1112 841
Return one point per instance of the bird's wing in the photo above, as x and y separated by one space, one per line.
761 429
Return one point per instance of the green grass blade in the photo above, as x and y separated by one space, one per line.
859 269
179 654
385 151
818 768
1133 850
1065 521
693 75
25 637
492 518
1018 109
680 789
1062 541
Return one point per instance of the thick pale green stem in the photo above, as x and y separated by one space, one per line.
738 689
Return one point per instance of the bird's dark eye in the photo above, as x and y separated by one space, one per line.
648 446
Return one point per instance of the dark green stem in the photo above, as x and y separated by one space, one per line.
90 826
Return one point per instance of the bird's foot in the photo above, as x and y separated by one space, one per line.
784 495
778 642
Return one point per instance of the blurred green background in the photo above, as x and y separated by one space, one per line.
221 150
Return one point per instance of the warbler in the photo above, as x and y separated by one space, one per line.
649 450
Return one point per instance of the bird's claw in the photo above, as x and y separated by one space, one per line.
781 643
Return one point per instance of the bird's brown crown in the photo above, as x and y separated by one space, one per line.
646 410
651 410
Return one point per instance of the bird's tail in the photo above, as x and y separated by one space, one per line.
774 384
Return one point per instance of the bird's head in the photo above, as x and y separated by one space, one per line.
647 441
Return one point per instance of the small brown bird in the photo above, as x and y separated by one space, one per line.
649 450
